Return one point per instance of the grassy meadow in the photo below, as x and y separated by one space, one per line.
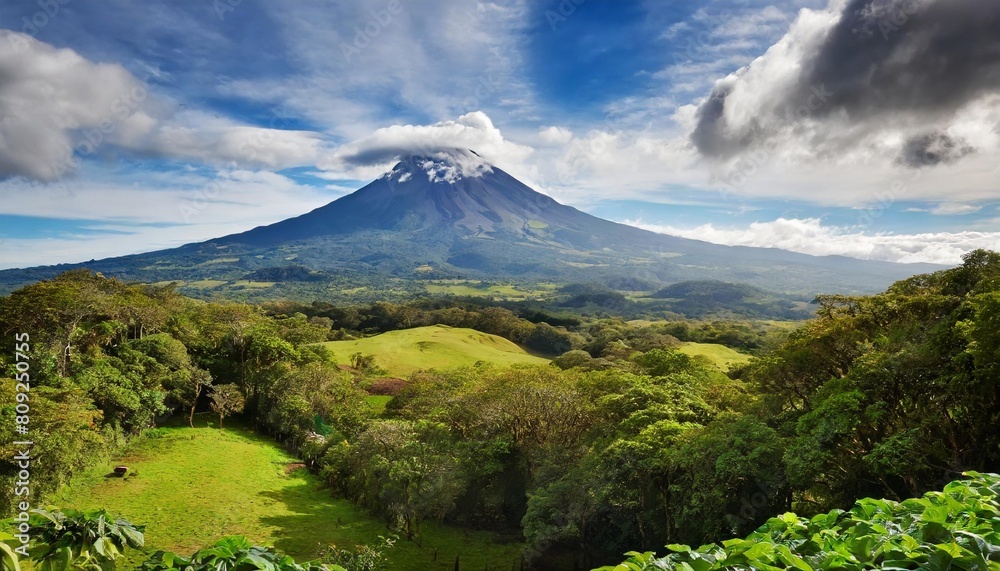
474 288
191 486
723 357
435 347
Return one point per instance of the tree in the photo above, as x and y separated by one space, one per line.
129 399
664 362
54 309
172 368
408 470
366 365
189 393
549 340
227 400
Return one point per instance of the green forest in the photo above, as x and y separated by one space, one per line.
622 447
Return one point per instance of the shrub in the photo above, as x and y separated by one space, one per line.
74 539
231 554
387 386
953 529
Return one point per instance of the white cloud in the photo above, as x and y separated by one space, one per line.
555 135
59 108
45 96
474 131
811 236
201 137
183 208
228 196
712 44
949 209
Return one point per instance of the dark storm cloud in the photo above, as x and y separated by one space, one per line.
921 55
921 59
933 148
708 136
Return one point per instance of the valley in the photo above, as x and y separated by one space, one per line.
498 432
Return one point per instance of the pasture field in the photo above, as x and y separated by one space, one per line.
434 347
473 288
191 486
723 357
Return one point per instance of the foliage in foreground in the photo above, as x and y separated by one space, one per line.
229 554
73 539
92 540
958 528
237 553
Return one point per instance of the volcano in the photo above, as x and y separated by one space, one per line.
452 215
437 201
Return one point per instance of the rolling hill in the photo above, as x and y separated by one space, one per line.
721 356
435 347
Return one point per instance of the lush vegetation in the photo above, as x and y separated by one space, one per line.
93 541
623 442
953 529
188 486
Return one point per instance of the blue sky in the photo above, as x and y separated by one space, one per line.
128 127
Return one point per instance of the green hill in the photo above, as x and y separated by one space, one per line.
435 347
722 356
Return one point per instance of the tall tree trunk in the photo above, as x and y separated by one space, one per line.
194 404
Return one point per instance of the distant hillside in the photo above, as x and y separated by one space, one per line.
710 290
710 297
287 274
435 347
691 299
